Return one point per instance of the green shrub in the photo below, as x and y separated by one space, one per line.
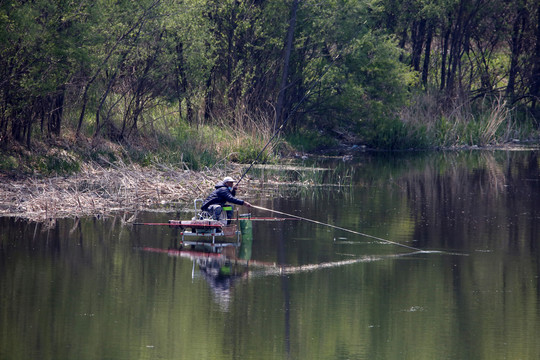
246 150
393 134
8 163
185 147
309 140
60 164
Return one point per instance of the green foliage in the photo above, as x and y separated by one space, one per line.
375 66
8 162
58 164
107 67
444 134
248 150
187 148
308 140
367 83
392 134
463 122
184 157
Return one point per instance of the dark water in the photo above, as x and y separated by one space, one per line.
92 289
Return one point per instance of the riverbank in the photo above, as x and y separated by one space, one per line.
106 188
74 177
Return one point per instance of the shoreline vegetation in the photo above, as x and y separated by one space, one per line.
106 187
99 178
411 74
93 87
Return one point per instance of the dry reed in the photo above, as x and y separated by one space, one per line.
98 191
460 121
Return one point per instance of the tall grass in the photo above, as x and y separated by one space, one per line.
243 140
462 122
309 140
196 146
495 124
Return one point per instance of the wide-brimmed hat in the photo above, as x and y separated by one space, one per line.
228 179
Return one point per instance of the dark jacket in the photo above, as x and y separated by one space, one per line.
220 196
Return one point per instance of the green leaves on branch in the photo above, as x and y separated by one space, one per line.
126 69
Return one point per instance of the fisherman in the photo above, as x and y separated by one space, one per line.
224 192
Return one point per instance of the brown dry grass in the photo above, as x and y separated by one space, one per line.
98 191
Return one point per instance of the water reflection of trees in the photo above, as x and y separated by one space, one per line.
446 200
482 199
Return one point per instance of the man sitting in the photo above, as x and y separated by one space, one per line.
215 202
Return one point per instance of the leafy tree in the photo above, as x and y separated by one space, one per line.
38 62
346 68
349 66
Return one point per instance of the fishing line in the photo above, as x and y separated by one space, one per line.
339 228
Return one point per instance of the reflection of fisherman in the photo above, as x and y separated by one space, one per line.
221 274
224 192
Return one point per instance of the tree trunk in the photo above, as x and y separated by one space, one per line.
4 119
455 48
453 59
427 55
209 94
418 36
139 23
139 91
286 59
403 41
29 133
16 126
110 84
445 56
535 76
102 102
517 36
83 109
55 116
182 84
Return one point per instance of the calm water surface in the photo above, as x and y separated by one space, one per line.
94 289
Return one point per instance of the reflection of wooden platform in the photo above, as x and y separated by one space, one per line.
206 231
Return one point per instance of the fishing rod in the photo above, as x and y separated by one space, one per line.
276 132
339 228
287 118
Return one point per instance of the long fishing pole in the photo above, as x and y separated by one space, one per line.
300 217
339 228
293 110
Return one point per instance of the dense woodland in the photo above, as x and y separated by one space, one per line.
384 73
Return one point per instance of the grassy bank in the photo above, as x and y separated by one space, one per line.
165 169
428 122
433 121
180 146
